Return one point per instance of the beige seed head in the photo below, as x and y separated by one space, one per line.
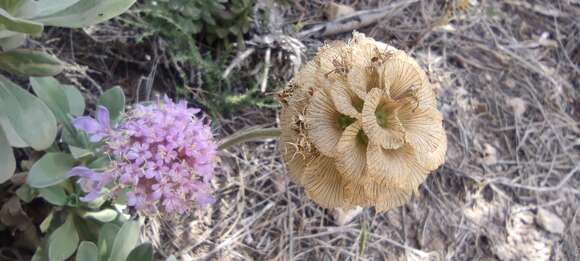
360 126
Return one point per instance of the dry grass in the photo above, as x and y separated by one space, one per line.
507 76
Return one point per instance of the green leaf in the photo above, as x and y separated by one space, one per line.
79 153
11 5
125 240
11 134
50 170
25 193
51 92
107 236
54 195
143 252
14 24
7 160
76 101
28 115
86 13
25 62
45 225
114 100
105 215
87 251
63 241
38 8
12 42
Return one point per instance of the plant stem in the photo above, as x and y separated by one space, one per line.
251 134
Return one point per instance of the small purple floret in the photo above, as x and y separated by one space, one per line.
163 155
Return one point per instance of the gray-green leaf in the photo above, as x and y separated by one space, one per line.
76 101
50 170
125 241
25 193
31 119
87 251
107 235
11 134
54 195
25 62
39 8
63 241
7 161
86 13
105 215
143 252
15 24
114 100
51 92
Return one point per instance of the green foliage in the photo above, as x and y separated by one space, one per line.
31 119
216 20
7 161
50 170
87 251
63 242
200 34
114 100
54 195
24 62
125 241
143 252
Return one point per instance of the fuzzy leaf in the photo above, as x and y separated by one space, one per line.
105 215
30 118
15 24
76 101
143 252
30 63
50 170
51 92
87 251
54 195
107 235
39 8
114 100
86 13
7 161
63 241
125 241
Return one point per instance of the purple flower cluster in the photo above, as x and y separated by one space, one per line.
163 157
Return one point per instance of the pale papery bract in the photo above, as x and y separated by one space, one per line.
163 157
360 126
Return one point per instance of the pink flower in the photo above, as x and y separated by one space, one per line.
163 155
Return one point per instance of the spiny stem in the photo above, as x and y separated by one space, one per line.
251 134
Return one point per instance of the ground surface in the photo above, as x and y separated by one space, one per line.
507 77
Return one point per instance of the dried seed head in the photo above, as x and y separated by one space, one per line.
360 126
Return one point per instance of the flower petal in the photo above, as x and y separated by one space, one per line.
102 116
87 124
423 128
386 197
356 193
345 100
403 76
390 137
323 183
351 153
322 123
395 167
432 160
81 171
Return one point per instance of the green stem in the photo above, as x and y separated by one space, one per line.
251 134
